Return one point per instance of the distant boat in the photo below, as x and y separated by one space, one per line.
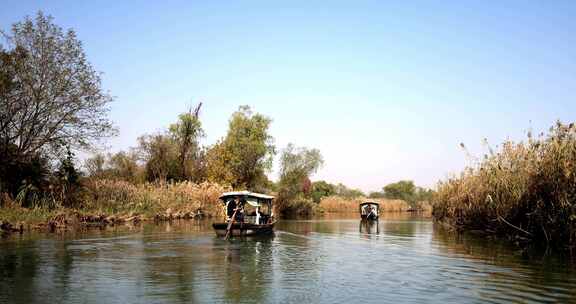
369 210
247 214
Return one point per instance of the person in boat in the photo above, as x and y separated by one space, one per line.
240 213
372 213
258 215
231 207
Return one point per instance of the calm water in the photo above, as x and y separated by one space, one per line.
403 259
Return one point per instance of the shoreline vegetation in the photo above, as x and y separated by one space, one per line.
337 204
525 192
53 106
110 202
113 202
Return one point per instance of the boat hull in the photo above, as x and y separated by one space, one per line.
369 217
244 229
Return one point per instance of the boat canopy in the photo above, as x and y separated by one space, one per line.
369 207
369 203
251 198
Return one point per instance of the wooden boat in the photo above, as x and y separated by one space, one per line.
369 210
243 229
255 217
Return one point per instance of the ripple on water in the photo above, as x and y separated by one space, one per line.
315 261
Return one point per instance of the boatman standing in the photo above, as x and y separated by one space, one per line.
231 207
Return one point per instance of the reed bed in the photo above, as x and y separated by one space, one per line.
183 199
525 191
110 201
337 204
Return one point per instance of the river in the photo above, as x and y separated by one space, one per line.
402 259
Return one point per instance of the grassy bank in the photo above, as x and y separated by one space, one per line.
525 191
336 204
111 201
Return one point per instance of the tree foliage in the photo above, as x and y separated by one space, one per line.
54 96
343 191
244 156
51 100
296 166
160 153
186 133
121 165
322 189
406 190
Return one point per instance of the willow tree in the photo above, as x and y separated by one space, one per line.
56 99
245 155
297 164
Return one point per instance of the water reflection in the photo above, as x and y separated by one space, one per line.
400 258
246 269
369 227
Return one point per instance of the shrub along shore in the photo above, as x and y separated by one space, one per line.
106 202
526 191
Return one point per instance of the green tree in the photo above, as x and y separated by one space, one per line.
187 133
376 194
322 189
160 154
403 190
244 156
407 191
124 166
343 191
296 166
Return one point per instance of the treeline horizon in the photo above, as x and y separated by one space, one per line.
174 155
53 104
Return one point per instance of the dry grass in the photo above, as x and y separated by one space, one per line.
336 204
184 198
30 216
525 190
108 201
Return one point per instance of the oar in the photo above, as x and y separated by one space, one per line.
229 229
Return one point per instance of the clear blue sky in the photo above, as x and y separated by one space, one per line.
386 91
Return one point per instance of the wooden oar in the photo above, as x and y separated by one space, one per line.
229 229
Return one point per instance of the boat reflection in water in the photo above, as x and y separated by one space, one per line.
369 227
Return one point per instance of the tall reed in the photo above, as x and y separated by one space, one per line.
114 196
526 190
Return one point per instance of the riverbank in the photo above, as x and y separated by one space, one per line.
109 202
525 192
337 204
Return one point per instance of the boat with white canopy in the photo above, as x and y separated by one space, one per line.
369 210
247 213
